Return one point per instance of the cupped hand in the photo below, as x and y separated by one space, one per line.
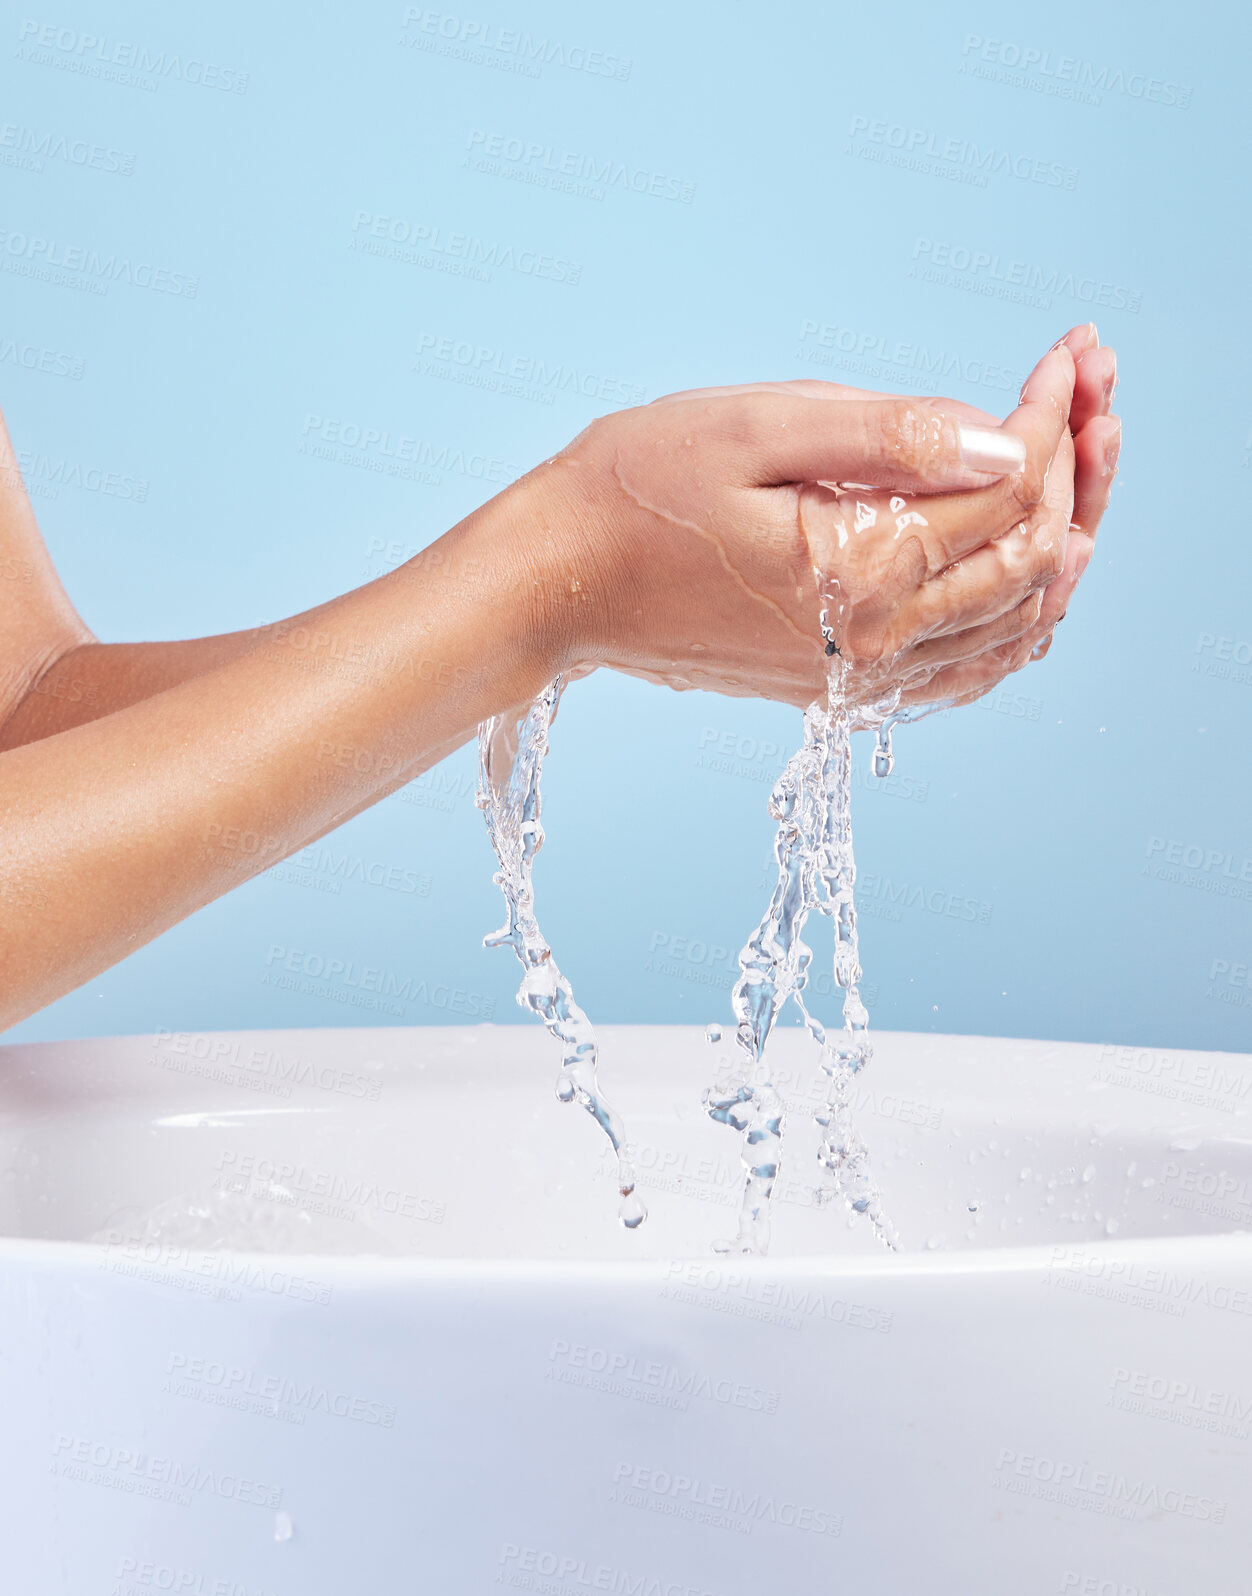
680 540
1096 435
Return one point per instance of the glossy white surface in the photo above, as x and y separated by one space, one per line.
322 1312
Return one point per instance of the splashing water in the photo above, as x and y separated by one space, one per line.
816 871
812 805
510 763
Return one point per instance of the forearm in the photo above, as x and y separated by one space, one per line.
114 829
94 679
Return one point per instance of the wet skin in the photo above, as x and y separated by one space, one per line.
676 541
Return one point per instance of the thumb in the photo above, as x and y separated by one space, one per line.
915 445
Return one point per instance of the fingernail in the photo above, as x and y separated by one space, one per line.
1112 449
1110 383
1081 564
1002 452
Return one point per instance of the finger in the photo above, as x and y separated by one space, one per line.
1079 340
817 388
907 444
803 387
988 583
1096 451
1040 421
940 652
1093 390
966 680
964 520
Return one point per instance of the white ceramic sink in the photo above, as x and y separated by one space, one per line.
328 1313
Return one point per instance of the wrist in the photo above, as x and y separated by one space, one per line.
547 540
487 587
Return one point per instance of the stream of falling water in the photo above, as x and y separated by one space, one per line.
510 763
811 804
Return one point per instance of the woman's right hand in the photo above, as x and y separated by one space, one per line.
679 540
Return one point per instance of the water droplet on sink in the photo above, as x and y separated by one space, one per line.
714 1033
284 1529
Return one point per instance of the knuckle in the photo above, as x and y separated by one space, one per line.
1028 486
1049 559
741 421
1025 616
903 431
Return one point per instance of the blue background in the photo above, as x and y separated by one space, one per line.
1016 874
